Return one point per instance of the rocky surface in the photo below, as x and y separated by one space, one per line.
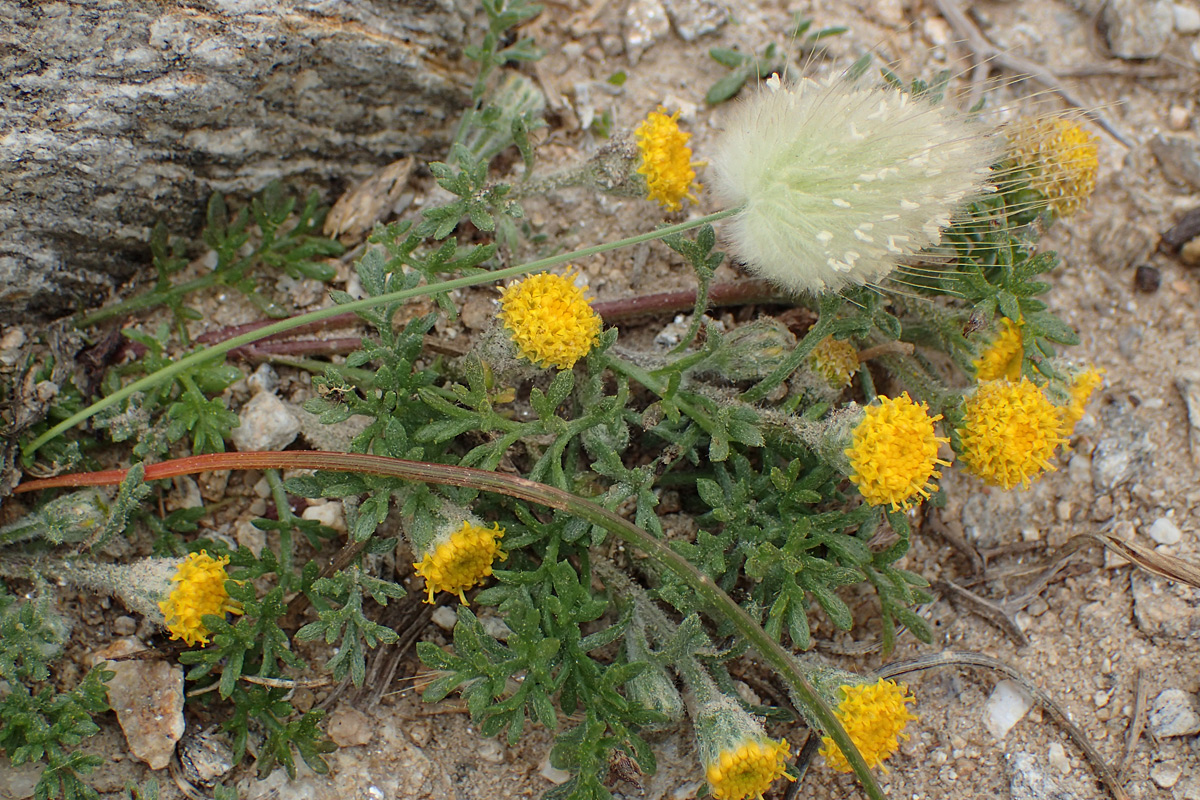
117 114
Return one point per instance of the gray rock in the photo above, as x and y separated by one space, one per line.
1166 774
148 699
1028 780
1173 714
695 18
118 113
1179 159
1138 28
1163 608
266 424
644 24
1124 452
205 757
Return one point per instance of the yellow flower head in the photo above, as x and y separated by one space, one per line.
1061 158
1004 356
666 159
749 769
461 560
835 360
200 590
1081 389
874 715
550 319
894 452
1010 430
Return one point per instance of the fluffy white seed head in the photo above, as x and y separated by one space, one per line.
841 181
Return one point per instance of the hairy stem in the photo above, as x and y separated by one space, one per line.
784 662
208 354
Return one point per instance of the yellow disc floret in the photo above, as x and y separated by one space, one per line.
666 159
894 452
874 716
550 320
200 590
1004 356
1081 389
835 360
461 560
1010 430
748 770
1061 159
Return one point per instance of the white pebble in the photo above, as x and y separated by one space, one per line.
266 423
1187 19
1058 758
1164 531
1006 706
1166 774
445 617
1173 715
328 514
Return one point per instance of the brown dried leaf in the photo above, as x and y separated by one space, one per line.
371 201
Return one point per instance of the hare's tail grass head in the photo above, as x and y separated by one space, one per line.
839 181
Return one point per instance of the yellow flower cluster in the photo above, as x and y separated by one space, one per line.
550 319
1004 356
666 159
1010 430
200 590
874 715
749 770
835 360
462 560
893 455
1060 156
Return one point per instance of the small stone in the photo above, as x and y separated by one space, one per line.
1164 531
553 774
349 727
1187 19
1062 510
695 18
1038 607
1029 781
263 379
1190 252
266 424
495 627
1079 469
148 699
1102 508
937 30
1125 452
1137 28
1006 706
185 493
491 751
1057 756
1166 774
1178 118
1165 608
247 535
1179 158
331 515
645 23
1173 714
445 617
205 757
124 626
1147 279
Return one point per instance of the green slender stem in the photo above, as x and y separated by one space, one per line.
220 349
284 510
659 553
631 370
151 298
360 377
